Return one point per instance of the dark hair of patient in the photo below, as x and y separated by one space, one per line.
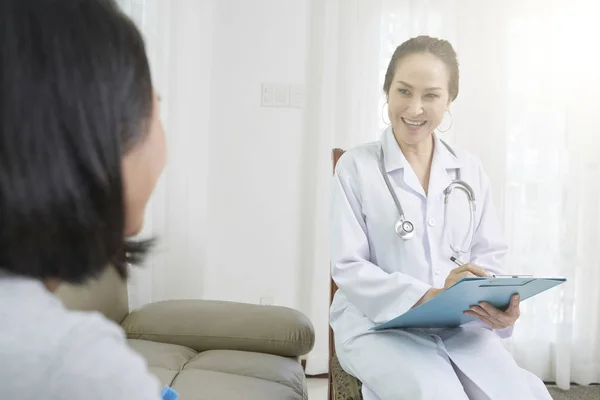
75 96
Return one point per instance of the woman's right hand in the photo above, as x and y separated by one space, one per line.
464 271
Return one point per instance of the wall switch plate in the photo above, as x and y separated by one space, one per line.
297 96
267 95
282 95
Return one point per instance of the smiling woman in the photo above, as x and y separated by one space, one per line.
381 275
528 109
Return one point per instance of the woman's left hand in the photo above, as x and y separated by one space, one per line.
495 318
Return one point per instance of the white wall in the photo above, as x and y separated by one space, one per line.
179 44
227 209
255 152
189 112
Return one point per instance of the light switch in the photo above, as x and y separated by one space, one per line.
268 95
282 95
297 96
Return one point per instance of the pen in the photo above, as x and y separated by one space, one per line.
456 261
460 263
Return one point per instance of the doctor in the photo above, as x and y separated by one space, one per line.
383 269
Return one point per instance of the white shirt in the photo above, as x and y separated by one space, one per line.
380 275
48 352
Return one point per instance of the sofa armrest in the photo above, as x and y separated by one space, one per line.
209 325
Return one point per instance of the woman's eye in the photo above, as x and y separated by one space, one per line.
432 95
403 91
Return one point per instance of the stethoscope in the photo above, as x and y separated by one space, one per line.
405 229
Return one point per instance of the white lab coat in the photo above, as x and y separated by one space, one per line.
381 276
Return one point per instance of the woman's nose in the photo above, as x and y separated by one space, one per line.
415 108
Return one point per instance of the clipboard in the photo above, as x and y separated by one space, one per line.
446 309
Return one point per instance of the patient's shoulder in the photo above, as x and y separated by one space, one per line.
68 354
94 356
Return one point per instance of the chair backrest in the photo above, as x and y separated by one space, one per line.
335 156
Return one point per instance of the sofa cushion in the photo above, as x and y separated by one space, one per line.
200 384
165 361
284 371
223 374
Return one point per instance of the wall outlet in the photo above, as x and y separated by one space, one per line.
266 301
297 96
267 95
282 95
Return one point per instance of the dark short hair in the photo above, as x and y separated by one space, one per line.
76 95
442 49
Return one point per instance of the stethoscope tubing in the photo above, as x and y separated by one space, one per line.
457 183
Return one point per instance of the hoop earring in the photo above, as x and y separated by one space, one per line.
382 114
451 121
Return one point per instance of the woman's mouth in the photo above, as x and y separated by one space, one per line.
413 124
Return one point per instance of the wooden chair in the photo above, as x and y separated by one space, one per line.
342 386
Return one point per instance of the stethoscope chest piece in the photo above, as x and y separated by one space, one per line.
405 229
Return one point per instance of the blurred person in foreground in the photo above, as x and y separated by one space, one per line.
81 150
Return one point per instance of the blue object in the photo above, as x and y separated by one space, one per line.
446 309
169 394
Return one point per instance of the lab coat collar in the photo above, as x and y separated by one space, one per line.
395 159
443 156
393 156
443 165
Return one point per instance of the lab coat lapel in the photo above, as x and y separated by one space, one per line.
443 168
395 160
410 178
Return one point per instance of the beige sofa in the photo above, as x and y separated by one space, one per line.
208 350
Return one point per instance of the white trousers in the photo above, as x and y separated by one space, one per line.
452 364
471 390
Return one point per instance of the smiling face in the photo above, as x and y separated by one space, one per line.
418 97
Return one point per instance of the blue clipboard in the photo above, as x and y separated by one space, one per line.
446 309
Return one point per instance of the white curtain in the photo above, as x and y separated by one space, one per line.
176 214
342 86
151 18
528 107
